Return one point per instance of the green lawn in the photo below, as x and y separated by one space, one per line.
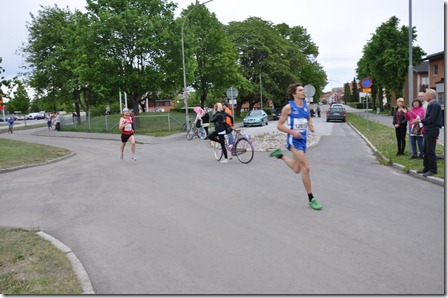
383 138
30 265
17 153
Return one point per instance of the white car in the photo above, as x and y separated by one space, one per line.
35 116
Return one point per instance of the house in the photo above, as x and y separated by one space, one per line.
429 74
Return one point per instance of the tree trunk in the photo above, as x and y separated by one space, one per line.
135 107
77 99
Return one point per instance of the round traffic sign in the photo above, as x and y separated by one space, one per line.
310 90
366 82
232 93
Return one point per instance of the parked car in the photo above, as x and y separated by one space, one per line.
277 113
255 117
336 112
16 118
35 116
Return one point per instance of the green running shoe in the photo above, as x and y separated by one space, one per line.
276 153
315 205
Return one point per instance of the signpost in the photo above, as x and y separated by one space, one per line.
232 94
310 91
366 83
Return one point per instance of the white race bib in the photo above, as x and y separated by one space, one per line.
300 124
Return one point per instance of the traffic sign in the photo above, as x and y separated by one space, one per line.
367 90
309 90
366 82
232 93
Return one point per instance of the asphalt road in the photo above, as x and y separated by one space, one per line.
178 222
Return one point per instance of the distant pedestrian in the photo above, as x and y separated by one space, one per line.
432 123
415 130
127 133
57 121
10 124
400 123
296 114
49 121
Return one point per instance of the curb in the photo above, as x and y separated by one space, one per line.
37 164
397 166
80 272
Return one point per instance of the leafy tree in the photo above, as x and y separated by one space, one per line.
136 42
215 68
264 53
386 56
46 53
347 93
312 72
355 93
20 100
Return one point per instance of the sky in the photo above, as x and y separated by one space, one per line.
340 28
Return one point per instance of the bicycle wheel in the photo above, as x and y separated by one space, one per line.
191 133
217 150
244 150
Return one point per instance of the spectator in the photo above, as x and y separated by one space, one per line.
432 123
400 123
415 133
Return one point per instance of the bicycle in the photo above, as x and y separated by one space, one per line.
242 148
194 131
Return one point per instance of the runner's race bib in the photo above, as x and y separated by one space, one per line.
128 127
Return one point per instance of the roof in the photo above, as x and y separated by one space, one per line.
435 56
422 68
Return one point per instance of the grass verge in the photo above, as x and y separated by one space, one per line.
18 153
31 265
383 138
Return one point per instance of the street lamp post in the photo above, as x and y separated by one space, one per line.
261 90
187 118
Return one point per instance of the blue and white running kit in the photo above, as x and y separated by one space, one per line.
298 121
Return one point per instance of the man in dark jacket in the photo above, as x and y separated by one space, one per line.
432 123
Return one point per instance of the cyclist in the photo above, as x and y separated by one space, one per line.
219 118
10 124
205 121
198 122
229 121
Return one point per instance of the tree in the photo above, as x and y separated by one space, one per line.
347 93
136 42
386 56
46 53
264 53
312 72
216 62
20 100
355 93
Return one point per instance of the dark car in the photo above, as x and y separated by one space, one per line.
276 113
336 113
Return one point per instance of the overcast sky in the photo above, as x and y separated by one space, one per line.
340 28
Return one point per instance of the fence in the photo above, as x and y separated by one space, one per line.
148 123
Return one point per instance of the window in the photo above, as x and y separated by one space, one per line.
435 70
